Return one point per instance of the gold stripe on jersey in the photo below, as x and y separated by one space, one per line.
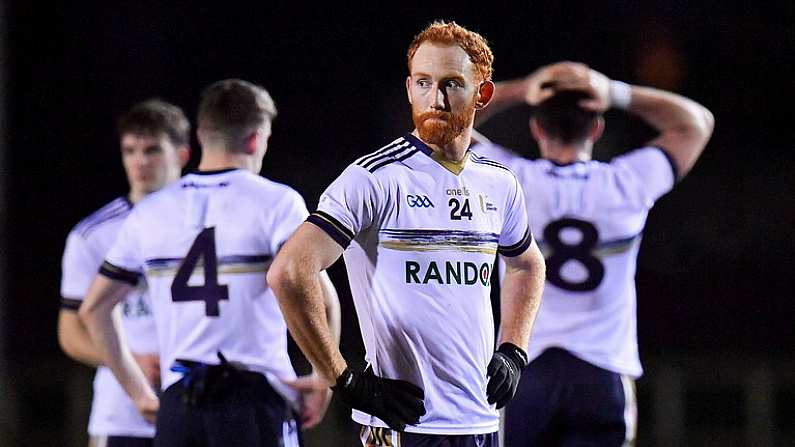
453 166
341 230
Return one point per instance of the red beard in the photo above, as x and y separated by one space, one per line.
447 128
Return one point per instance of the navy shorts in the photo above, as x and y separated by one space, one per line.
120 441
243 410
563 401
384 437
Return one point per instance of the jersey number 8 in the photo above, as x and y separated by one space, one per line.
211 292
563 252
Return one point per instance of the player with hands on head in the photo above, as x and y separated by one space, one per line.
419 223
590 216
153 137
204 244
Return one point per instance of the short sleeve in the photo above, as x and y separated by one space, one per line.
515 236
124 261
291 212
348 206
78 268
651 171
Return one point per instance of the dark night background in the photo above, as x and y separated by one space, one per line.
715 280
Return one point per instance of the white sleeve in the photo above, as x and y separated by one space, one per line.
78 268
289 214
349 205
124 261
649 171
515 236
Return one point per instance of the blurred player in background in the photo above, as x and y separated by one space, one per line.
419 247
204 244
579 387
154 138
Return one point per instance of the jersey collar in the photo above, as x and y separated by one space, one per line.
214 171
452 166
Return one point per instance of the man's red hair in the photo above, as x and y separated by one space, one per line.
450 33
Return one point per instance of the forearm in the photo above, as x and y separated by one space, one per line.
332 302
75 341
314 327
684 126
520 299
103 324
507 94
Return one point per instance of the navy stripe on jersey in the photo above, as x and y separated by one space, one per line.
119 274
391 148
118 207
416 234
334 228
517 248
70 304
485 161
603 248
159 263
390 155
670 161
419 144
394 159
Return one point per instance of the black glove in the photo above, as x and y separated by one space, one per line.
504 372
395 402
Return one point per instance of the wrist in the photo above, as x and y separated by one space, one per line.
620 94
515 353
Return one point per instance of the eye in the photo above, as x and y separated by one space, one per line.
453 84
152 150
424 83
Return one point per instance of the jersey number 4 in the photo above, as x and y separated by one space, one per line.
211 292
563 252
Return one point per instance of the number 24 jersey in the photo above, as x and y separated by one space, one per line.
422 236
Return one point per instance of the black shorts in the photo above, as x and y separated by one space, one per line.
563 401
244 410
377 437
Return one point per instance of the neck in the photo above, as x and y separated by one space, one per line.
215 159
456 150
135 196
566 153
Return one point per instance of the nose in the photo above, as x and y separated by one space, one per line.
439 99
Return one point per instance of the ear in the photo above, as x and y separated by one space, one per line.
183 154
408 89
485 93
597 128
250 143
537 131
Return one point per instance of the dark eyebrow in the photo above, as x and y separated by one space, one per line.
152 148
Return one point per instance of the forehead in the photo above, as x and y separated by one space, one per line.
439 59
136 140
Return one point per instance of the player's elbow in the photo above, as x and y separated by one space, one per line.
283 275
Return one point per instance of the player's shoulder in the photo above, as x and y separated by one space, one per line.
279 192
388 155
117 209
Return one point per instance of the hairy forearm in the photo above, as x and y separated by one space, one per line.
75 341
520 299
314 327
332 303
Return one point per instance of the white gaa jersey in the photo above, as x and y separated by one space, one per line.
204 244
588 218
112 411
422 236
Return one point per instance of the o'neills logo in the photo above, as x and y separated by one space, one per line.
466 273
